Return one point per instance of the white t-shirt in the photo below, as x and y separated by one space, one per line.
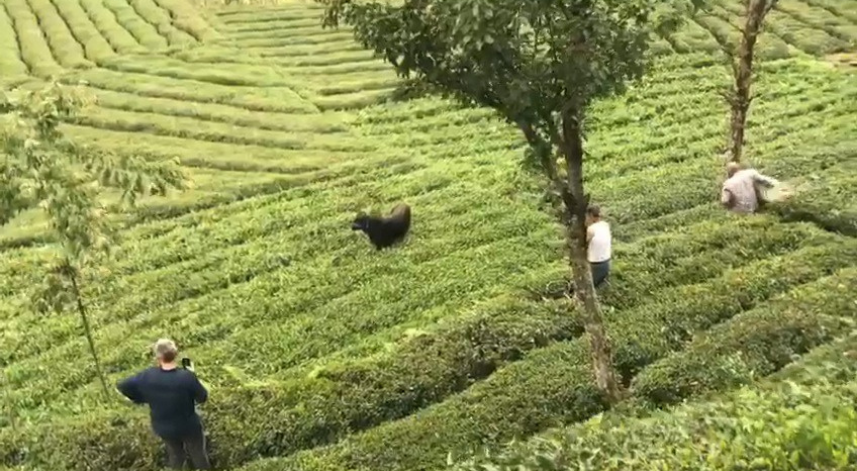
598 235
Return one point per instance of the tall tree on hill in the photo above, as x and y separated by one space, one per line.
41 168
540 64
742 71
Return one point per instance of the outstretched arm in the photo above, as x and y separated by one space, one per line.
130 388
763 180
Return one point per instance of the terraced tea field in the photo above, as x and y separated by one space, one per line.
321 353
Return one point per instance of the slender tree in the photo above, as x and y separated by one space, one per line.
739 97
540 64
41 168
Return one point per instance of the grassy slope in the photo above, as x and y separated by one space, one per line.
307 335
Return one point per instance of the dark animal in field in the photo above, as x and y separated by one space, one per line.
385 231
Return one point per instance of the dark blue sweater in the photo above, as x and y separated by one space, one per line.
171 395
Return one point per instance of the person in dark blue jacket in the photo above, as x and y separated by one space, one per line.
172 394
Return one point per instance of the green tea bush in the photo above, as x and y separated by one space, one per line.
161 287
833 361
300 32
811 40
196 129
90 438
693 38
308 303
257 75
827 201
726 22
189 19
289 122
357 395
160 19
35 51
691 253
266 41
555 385
142 30
292 421
789 427
820 18
755 343
287 431
63 44
270 24
119 38
305 165
827 367
697 253
279 99
665 325
11 64
836 7
335 401
342 368
95 47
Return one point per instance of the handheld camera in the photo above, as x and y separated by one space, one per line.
187 364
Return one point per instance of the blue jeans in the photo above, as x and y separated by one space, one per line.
600 270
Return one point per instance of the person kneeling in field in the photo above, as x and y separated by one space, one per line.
171 393
742 192
599 242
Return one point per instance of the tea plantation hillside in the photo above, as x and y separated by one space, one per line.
323 354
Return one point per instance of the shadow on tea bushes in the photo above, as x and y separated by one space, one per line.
829 204
549 386
697 253
754 343
783 428
810 400
658 328
277 419
554 385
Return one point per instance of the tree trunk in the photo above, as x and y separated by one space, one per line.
11 412
576 203
742 69
81 309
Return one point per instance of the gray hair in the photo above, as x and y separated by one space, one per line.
733 167
165 349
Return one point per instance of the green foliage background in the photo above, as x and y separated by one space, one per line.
324 355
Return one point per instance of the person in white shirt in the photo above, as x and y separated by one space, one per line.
741 191
599 242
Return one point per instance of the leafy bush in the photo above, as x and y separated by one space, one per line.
554 385
11 65
755 343
697 253
310 412
35 51
61 40
106 22
827 201
789 427
654 330
189 19
354 396
428 368
209 276
95 47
